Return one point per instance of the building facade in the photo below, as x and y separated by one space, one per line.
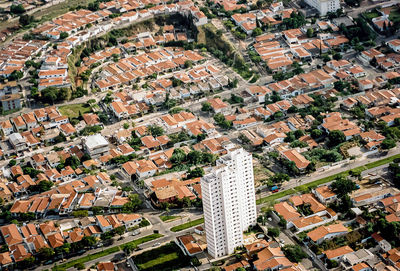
10 102
229 203
95 145
324 6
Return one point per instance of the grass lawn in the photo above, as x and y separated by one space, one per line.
106 252
188 225
159 260
145 239
305 187
166 257
167 218
87 258
72 110
371 15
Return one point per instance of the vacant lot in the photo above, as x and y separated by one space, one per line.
167 257
72 110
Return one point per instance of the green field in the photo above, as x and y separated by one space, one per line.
305 187
188 225
106 252
72 110
162 259
168 218
166 257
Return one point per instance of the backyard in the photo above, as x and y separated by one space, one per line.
371 14
167 257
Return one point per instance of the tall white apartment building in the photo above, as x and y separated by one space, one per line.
229 202
324 6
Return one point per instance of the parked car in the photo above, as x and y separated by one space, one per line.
274 189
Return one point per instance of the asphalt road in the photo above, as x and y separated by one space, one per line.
319 175
157 225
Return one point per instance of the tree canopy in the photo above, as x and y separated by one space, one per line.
343 186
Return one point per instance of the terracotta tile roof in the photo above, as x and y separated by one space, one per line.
11 234
325 191
55 240
190 243
322 231
333 253
286 211
5 258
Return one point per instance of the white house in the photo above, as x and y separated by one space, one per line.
394 45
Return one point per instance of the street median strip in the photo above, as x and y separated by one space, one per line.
105 252
305 187
188 225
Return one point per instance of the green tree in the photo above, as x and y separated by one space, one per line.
196 172
89 241
206 107
178 156
97 210
46 253
274 232
294 253
134 204
26 263
17 9
188 64
12 163
25 19
310 32
93 6
73 162
337 56
16 75
195 157
155 130
63 35
316 133
257 32
80 213
79 266
336 137
45 185
279 177
119 230
129 248
332 264
343 186
388 144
